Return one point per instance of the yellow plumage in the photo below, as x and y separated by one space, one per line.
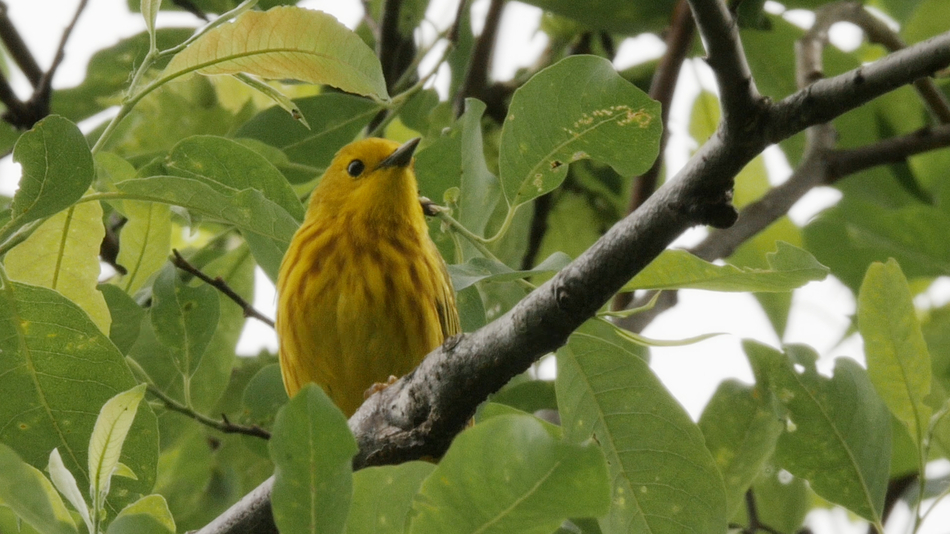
363 293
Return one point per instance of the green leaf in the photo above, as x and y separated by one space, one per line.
789 268
247 209
741 428
838 429
184 317
57 371
576 109
229 167
57 169
65 482
664 479
127 317
312 449
509 474
528 396
614 16
897 357
149 9
851 235
31 496
286 42
108 436
63 254
335 120
486 270
107 74
382 497
148 515
144 243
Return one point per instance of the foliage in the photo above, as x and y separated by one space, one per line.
218 140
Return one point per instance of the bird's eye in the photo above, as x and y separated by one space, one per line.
355 168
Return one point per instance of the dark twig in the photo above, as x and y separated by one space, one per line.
17 49
755 524
678 42
395 51
25 114
895 489
218 283
475 84
224 425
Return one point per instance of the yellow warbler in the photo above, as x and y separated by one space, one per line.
363 293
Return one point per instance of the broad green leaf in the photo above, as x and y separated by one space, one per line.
57 371
144 242
127 317
229 168
108 436
509 474
149 10
789 268
335 118
63 254
485 270
664 479
838 430
107 73
286 42
31 496
65 482
929 19
741 428
312 449
247 209
184 317
528 396
57 169
576 109
456 159
614 16
782 500
897 356
264 396
148 515
217 366
382 497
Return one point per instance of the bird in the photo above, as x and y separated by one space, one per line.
363 293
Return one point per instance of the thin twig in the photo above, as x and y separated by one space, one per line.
476 78
224 425
678 42
218 283
17 48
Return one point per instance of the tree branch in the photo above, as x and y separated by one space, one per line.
678 42
420 413
476 77
218 283
17 48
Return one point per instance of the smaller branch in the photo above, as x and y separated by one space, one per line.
395 51
218 283
476 78
678 42
224 425
17 48
739 96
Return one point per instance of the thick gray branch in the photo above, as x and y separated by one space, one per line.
421 413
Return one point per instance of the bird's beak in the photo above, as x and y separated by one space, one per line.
402 156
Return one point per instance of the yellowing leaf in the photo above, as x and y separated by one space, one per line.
286 42
63 254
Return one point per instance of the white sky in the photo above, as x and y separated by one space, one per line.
821 312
